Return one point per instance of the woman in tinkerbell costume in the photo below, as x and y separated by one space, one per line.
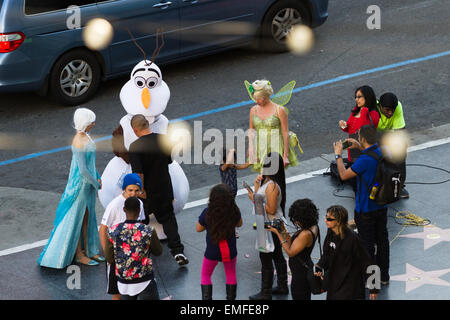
269 129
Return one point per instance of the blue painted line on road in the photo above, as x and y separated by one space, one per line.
245 103
321 83
43 153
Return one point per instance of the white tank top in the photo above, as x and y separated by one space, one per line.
262 191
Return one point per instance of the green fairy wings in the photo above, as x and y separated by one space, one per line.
282 97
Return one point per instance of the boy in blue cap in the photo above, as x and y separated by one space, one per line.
114 214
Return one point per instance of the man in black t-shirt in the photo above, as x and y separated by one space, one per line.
151 163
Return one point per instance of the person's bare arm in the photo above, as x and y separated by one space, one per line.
285 133
242 166
102 232
299 244
199 227
155 245
108 250
272 193
251 136
344 173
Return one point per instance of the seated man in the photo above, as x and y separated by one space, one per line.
391 118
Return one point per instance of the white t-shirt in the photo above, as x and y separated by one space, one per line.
114 213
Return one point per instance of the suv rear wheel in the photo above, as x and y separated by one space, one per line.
75 77
279 21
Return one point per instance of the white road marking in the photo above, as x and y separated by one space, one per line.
204 201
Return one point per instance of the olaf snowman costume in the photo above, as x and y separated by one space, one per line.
145 93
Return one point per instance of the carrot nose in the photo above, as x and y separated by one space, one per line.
146 97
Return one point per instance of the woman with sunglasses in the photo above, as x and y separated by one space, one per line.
304 215
345 260
365 112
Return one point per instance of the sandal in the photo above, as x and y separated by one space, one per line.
98 258
82 260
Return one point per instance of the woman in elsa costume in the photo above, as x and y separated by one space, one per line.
75 232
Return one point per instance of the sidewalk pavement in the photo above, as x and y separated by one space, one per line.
419 258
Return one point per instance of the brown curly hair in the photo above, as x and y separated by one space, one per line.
222 214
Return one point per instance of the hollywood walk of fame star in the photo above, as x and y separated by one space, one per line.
431 235
415 278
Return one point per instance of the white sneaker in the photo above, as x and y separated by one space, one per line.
181 259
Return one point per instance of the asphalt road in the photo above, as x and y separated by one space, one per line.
344 45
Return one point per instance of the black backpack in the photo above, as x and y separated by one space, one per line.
387 179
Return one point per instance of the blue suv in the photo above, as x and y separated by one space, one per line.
39 52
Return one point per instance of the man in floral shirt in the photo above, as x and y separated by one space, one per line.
132 243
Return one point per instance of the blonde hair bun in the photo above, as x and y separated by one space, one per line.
263 86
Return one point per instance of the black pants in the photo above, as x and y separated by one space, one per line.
402 168
111 279
163 211
276 256
149 293
372 228
300 289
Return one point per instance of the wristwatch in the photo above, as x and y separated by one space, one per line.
337 156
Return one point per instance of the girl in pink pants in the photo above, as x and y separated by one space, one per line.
220 219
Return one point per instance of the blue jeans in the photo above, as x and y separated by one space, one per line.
372 229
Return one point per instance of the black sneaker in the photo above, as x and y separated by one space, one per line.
181 259
404 194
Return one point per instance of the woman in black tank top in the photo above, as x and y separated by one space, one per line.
305 215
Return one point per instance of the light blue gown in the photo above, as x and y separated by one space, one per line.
80 193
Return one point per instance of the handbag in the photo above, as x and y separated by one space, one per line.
334 173
264 240
316 284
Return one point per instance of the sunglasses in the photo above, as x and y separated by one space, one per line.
330 219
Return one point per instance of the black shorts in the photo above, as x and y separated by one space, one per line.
112 279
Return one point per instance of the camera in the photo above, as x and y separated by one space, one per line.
275 223
346 144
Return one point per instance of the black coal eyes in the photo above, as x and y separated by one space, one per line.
139 82
151 82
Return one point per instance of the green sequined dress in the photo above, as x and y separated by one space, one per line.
269 138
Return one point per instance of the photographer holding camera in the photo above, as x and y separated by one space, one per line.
304 215
272 185
370 218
